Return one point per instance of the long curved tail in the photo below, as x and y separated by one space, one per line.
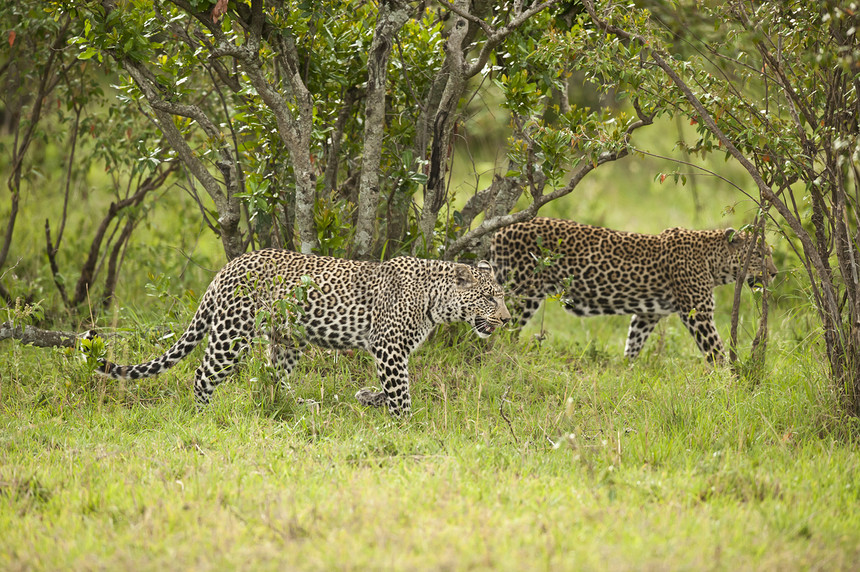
195 331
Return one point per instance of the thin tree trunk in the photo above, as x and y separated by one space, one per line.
444 116
333 154
393 14
115 261
443 128
47 82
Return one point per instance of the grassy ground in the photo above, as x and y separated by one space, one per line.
517 457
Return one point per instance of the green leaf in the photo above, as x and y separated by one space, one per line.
88 53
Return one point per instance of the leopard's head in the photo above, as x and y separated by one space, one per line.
479 298
761 260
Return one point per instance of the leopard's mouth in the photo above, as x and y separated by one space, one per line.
483 327
755 282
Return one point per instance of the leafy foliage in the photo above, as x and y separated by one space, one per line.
272 98
62 125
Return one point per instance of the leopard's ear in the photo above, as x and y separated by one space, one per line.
485 266
464 276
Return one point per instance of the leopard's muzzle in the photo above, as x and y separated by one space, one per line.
483 327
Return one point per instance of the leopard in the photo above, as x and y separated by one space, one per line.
599 271
385 307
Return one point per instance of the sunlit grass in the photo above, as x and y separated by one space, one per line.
562 456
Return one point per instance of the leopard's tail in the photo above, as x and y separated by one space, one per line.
195 331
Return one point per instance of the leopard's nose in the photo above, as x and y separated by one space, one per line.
504 315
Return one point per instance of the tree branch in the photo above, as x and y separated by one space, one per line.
492 224
30 335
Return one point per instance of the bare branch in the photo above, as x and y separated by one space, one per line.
88 270
495 223
30 335
501 34
333 154
488 30
47 82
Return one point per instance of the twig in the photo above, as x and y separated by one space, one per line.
739 283
505 417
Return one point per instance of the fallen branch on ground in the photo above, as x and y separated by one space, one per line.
36 336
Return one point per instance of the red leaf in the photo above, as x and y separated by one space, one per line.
12 37
219 10
662 177
693 121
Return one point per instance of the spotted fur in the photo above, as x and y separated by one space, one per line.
387 308
614 272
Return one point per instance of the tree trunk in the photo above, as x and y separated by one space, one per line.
392 16
442 130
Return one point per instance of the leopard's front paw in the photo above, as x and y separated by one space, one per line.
367 396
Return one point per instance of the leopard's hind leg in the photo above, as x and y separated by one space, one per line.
228 340
641 326
284 353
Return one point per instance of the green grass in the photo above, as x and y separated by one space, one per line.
516 457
